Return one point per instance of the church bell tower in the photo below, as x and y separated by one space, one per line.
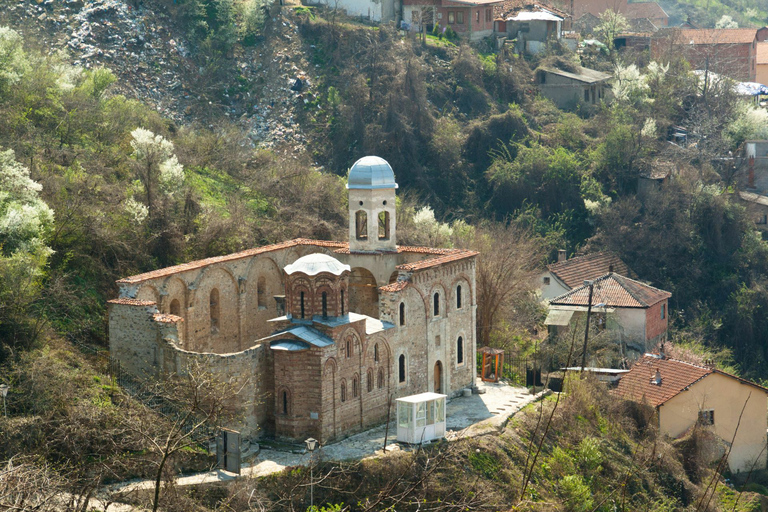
372 223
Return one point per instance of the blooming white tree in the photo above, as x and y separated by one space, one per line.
25 222
13 59
156 165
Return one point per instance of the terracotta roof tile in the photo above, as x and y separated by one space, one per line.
192 265
440 260
575 271
167 319
614 290
342 248
395 287
676 376
712 35
650 10
132 302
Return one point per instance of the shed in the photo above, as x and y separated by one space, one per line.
421 418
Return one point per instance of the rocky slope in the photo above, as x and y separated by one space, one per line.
147 48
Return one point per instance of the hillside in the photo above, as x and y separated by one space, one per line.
138 135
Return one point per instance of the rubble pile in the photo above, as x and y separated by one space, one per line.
261 87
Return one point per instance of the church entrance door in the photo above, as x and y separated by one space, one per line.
438 377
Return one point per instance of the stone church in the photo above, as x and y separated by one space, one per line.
317 336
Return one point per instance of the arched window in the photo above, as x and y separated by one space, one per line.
176 307
285 402
302 304
380 383
458 297
214 309
383 225
402 313
343 391
460 350
325 305
369 380
376 352
354 386
436 304
401 368
348 348
261 292
361 225
342 302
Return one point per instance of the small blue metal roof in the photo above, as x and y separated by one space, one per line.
371 172
310 335
289 345
372 325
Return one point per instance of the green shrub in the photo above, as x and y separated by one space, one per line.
588 455
576 494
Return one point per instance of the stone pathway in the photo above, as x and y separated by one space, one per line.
470 416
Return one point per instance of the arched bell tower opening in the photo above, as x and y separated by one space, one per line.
372 222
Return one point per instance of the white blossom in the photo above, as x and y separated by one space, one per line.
171 174
136 210
649 129
147 145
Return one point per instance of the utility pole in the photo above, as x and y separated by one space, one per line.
591 285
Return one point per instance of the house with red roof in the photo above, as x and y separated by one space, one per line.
727 51
583 11
635 313
687 396
567 274
472 19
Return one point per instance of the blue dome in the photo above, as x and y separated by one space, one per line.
371 172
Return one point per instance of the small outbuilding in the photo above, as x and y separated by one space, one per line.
421 418
573 88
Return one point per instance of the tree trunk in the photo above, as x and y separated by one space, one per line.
158 480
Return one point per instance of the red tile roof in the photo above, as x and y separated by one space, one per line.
132 302
650 10
440 260
614 291
676 376
342 248
575 271
712 35
395 287
638 384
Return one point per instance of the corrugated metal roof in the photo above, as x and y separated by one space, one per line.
585 75
535 16
558 317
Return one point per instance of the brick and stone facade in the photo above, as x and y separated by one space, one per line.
396 321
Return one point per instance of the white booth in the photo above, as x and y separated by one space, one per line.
421 418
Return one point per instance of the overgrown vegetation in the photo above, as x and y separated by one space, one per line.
95 186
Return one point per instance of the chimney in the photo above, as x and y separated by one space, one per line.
610 268
657 378
561 255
